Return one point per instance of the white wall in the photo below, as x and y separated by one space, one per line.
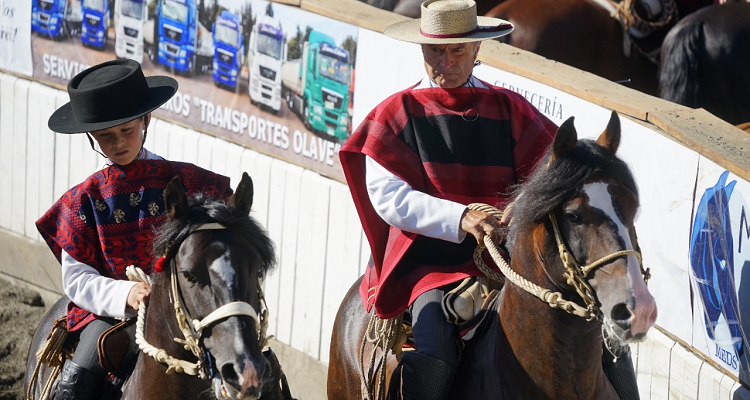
311 219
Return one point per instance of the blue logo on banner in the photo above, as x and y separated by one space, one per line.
712 260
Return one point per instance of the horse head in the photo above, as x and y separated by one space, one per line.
217 257
587 197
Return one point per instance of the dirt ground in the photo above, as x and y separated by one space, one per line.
20 312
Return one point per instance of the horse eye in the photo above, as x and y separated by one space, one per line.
573 217
188 276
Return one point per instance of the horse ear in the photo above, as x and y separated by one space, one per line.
610 138
175 200
566 139
242 199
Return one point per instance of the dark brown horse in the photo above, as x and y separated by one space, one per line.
215 257
530 350
705 60
583 35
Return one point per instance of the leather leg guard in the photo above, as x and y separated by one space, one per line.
78 383
621 375
425 378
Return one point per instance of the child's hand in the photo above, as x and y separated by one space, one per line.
138 293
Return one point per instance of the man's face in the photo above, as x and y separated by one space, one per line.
450 65
121 143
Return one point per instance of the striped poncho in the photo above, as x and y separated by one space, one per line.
433 139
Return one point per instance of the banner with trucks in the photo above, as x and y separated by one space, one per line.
264 75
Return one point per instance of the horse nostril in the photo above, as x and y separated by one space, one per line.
229 375
621 315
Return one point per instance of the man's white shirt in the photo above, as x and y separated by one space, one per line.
399 205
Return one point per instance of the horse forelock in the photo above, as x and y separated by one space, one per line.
554 182
203 210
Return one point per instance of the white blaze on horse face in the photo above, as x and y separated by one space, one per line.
223 269
644 314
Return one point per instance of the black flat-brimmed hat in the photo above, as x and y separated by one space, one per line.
110 94
447 22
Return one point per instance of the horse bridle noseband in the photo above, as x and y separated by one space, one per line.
575 274
192 329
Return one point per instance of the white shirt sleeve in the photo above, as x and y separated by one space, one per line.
90 290
399 205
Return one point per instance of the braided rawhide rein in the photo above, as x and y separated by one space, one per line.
626 14
554 299
52 355
384 335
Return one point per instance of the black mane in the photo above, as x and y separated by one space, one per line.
553 183
204 209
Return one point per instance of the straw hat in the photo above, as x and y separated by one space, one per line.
110 94
449 21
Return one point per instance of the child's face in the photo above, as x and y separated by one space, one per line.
121 143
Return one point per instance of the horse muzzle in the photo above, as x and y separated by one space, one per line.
244 384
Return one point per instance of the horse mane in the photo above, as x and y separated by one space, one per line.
202 210
552 183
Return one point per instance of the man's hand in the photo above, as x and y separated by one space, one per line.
138 293
479 224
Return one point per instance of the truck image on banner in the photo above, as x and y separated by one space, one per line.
130 16
316 86
56 18
228 49
184 43
95 23
264 60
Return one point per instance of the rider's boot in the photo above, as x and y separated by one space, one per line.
78 383
425 378
621 374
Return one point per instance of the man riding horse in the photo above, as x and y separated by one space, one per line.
413 166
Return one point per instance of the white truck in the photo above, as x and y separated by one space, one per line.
265 56
130 16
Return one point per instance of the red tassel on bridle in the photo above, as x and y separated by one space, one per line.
159 266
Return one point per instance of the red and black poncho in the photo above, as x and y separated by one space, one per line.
107 221
421 136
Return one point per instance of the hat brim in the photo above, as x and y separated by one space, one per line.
161 89
408 31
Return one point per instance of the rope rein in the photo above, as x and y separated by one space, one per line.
574 273
626 14
52 355
384 335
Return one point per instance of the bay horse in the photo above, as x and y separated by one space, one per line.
527 349
214 259
705 60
